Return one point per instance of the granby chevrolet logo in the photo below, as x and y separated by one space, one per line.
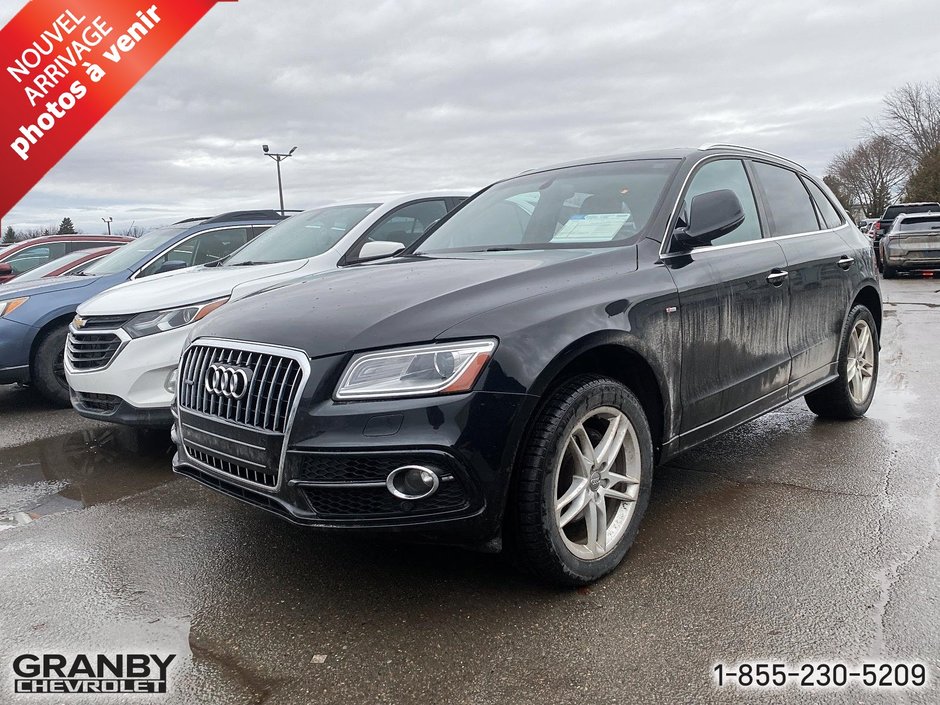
83 673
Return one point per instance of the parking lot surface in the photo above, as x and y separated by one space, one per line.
789 539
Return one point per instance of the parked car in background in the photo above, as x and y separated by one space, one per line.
517 375
883 224
912 244
73 263
35 316
148 320
29 254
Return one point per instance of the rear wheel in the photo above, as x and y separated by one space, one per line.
48 367
849 396
584 482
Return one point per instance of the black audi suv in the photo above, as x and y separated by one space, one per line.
514 377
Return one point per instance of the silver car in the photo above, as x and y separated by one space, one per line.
913 243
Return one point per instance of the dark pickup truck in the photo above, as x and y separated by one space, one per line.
883 225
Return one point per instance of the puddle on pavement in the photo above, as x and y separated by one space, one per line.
79 470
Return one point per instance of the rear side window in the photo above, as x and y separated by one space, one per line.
829 214
727 174
790 208
76 245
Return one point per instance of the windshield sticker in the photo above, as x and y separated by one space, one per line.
592 227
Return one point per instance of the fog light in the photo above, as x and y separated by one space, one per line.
412 482
170 384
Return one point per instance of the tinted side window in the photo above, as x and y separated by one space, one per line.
828 212
85 245
790 208
406 224
203 248
727 174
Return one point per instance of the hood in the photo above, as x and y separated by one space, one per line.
399 301
43 286
183 287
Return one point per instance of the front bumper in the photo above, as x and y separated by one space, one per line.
135 381
338 455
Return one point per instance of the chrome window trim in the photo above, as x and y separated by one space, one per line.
153 259
292 353
667 235
725 145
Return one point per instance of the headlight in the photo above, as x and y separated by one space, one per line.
10 305
408 372
160 321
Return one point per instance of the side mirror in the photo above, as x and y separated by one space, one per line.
171 266
712 215
379 248
6 269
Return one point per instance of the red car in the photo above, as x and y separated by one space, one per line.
29 254
72 263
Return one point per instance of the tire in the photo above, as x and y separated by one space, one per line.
549 472
844 398
889 272
48 367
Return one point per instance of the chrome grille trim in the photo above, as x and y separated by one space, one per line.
93 350
195 399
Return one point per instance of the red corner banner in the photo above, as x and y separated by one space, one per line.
65 63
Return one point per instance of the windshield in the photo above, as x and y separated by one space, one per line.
128 255
583 206
894 211
304 235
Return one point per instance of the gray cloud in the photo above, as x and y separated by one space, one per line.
419 94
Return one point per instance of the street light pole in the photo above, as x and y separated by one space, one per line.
277 157
108 220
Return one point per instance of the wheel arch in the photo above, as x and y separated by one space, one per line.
618 356
44 330
869 297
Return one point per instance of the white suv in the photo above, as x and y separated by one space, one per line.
151 317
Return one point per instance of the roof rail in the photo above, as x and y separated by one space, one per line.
246 215
191 220
724 145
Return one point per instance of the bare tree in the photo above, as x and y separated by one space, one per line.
911 118
132 230
872 173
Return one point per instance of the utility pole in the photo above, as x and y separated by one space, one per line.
108 221
277 157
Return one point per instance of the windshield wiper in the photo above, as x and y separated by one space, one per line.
505 248
249 263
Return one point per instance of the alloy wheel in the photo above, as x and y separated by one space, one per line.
860 367
597 481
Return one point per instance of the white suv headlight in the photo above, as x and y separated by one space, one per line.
444 368
160 321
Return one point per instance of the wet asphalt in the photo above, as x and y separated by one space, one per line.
789 539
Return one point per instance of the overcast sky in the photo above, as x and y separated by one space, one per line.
413 95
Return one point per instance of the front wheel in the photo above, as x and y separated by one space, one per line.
849 396
48 368
584 481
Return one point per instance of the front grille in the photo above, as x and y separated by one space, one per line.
91 351
105 322
101 403
274 384
340 501
266 477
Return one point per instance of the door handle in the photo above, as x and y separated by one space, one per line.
778 276
845 261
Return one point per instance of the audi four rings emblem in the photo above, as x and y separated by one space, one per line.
227 381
